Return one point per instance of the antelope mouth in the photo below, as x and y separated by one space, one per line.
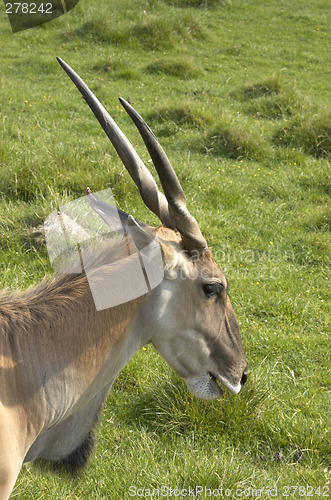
221 381
216 381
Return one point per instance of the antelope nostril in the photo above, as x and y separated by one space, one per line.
244 378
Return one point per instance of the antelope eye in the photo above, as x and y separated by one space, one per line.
212 289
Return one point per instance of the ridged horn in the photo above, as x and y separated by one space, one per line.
183 220
152 197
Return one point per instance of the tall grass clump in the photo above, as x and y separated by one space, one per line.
311 135
101 29
231 140
271 86
274 107
270 99
180 67
183 114
169 408
116 68
162 32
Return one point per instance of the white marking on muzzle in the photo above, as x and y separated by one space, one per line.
203 387
232 388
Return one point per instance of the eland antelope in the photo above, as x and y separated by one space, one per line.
60 355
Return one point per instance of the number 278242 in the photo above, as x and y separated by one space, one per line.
28 8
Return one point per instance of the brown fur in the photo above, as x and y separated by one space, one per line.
60 292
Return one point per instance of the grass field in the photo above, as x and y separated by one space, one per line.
238 93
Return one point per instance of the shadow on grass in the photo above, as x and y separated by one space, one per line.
168 408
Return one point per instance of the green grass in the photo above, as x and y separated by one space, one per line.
270 99
238 93
181 67
311 134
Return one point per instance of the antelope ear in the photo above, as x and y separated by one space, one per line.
142 237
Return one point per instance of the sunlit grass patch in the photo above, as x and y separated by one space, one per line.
316 181
184 114
317 219
311 134
181 67
270 99
271 86
288 155
116 68
231 139
275 106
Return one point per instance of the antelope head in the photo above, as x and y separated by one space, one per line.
188 317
